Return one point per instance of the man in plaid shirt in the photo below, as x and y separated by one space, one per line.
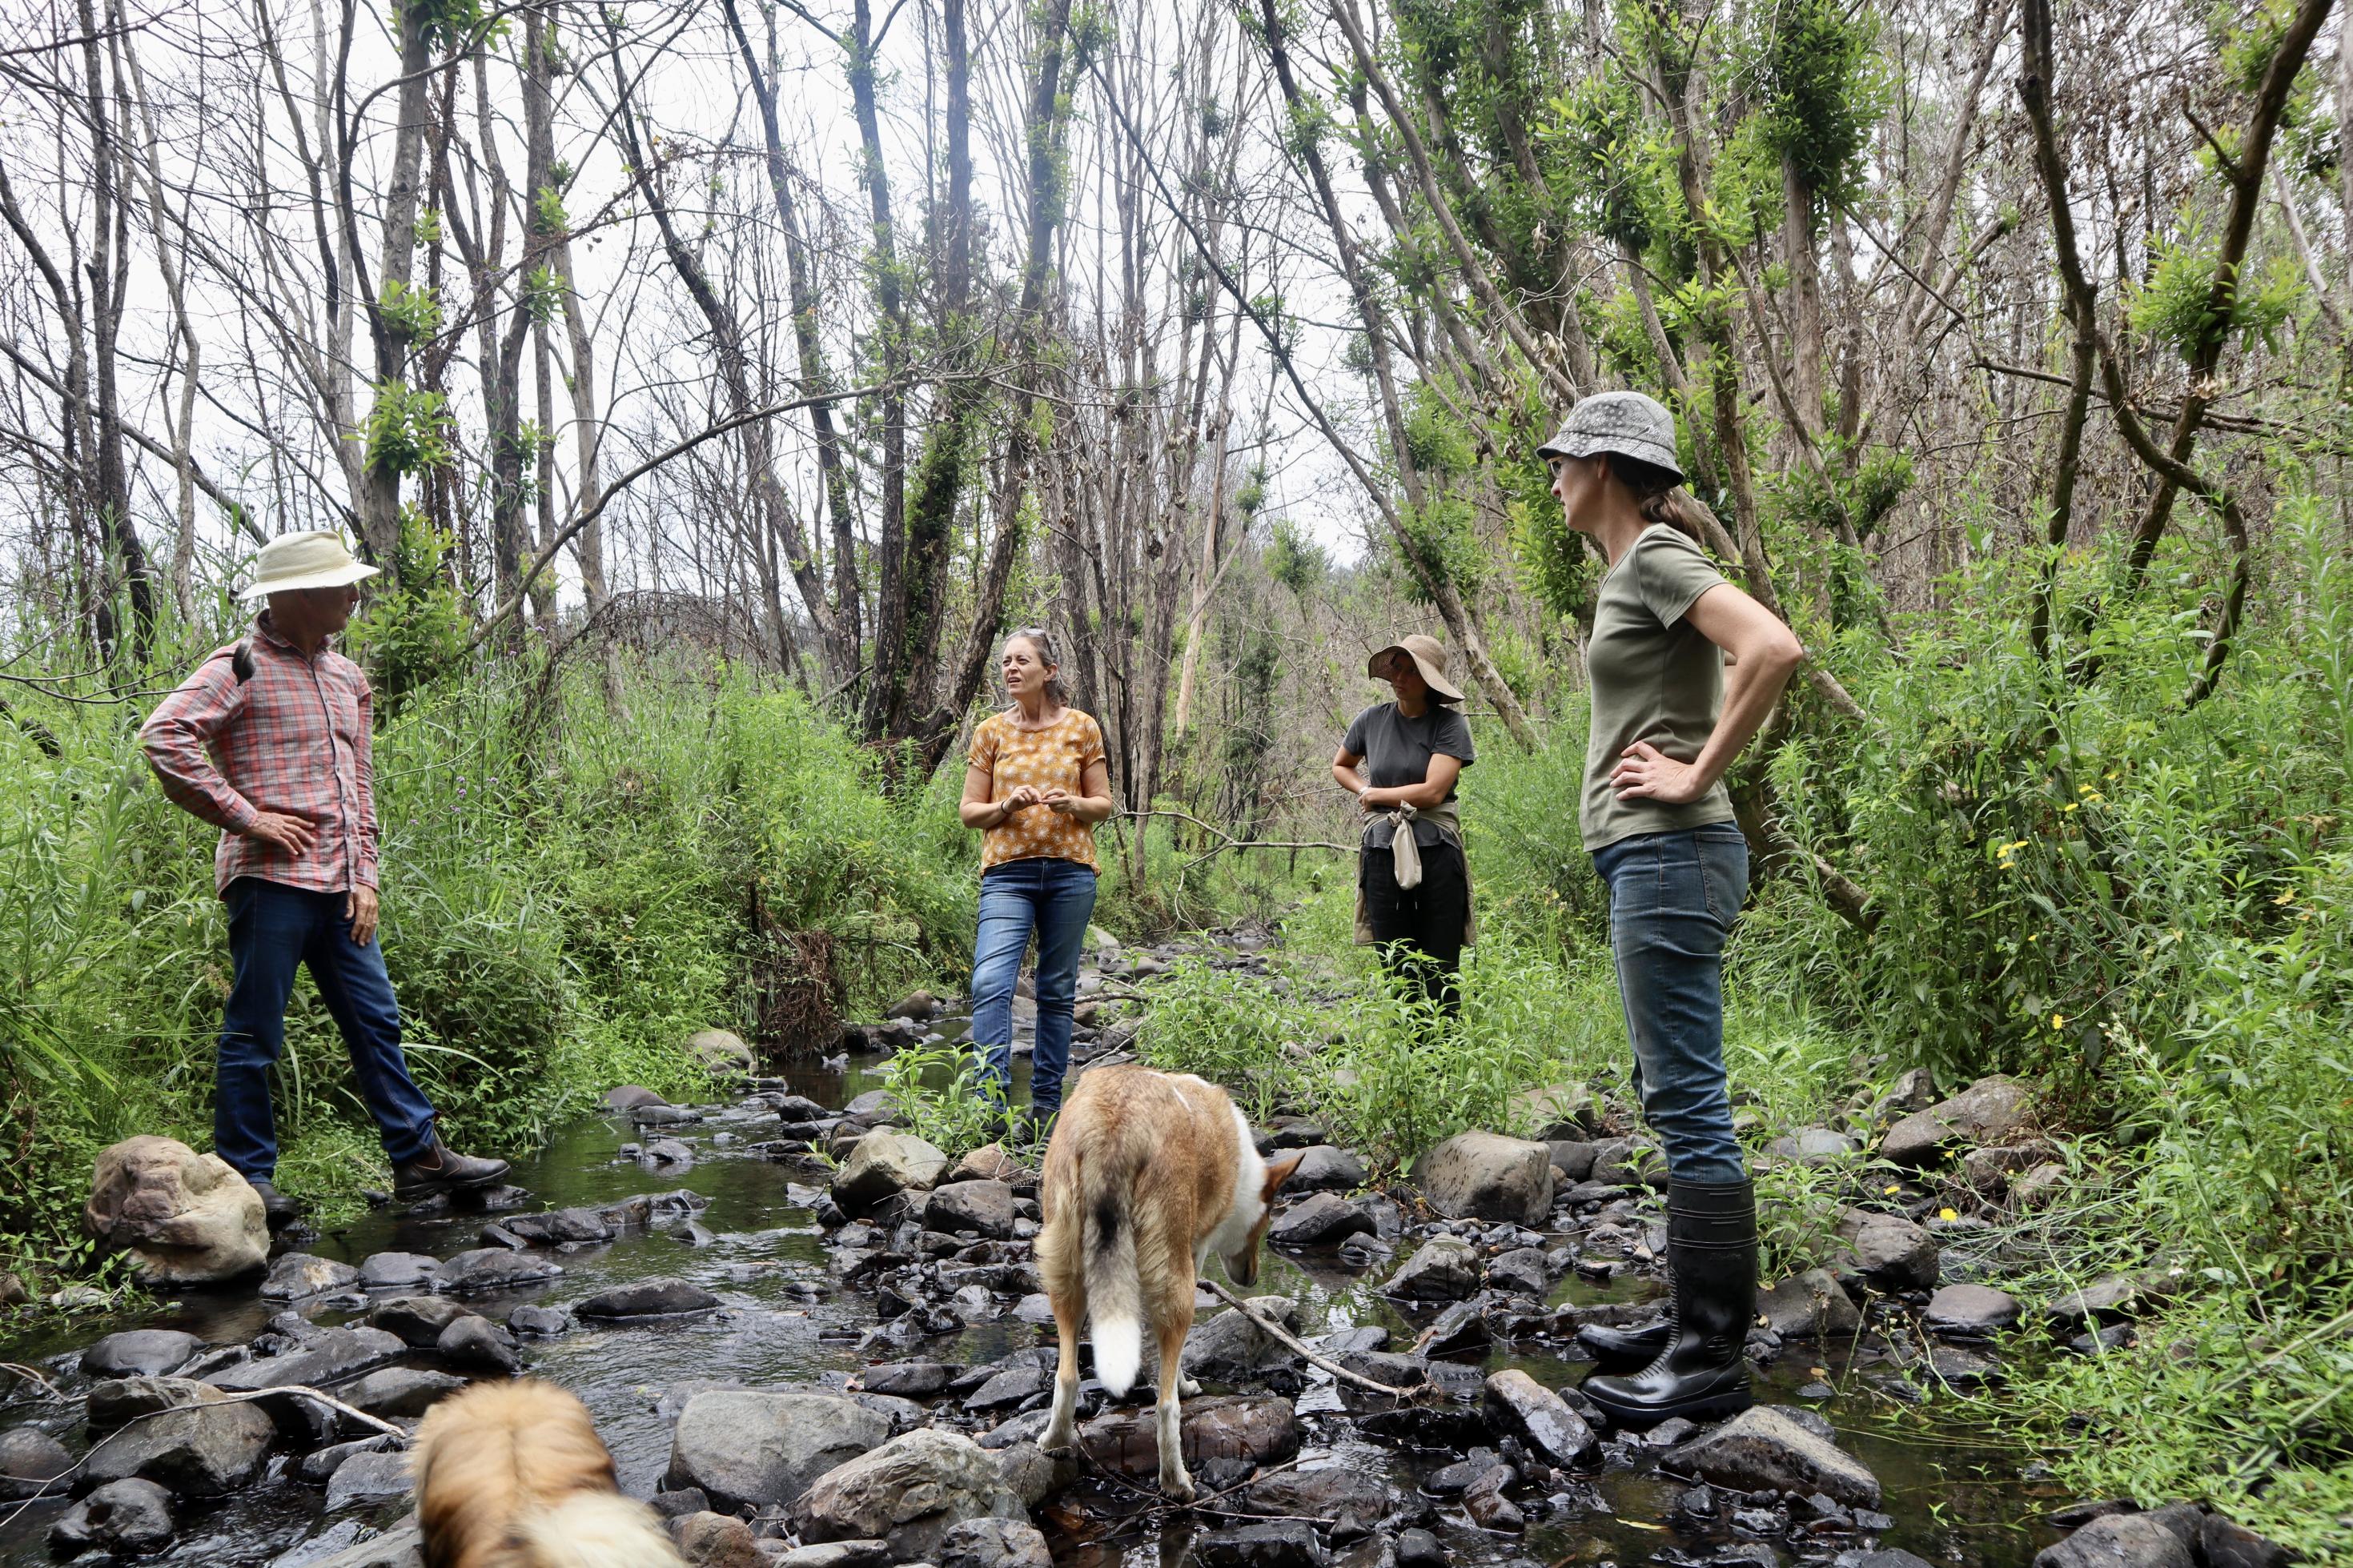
268 740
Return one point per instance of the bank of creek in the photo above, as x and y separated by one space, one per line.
807 1299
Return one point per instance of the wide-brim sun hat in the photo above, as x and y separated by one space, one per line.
1626 423
317 558
1428 656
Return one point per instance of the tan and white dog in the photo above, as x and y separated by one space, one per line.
1147 1174
512 1475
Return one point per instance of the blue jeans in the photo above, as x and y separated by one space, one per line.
1672 900
272 929
1056 898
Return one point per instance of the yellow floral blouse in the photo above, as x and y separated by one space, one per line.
1055 757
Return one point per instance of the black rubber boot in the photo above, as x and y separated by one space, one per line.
1628 1350
1701 1370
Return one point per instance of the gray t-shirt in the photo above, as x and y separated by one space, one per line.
1396 752
1654 678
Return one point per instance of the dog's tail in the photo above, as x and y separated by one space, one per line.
595 1530
1107 1255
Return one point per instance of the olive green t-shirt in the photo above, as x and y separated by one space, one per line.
1654 678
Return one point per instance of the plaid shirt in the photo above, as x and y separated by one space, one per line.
293 739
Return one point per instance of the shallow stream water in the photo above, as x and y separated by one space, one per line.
1953 1490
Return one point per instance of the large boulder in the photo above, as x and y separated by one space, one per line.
1257 1431
297 1275
1990 1110
1970 1312
983 1207
198 1450
909 1493
1886 1250
747 1447
1484 1175
140 1352
124 1519
1760 1450
118 1400
30 1462
2120 1540
656 1297
185 1219
884 1164
722 1053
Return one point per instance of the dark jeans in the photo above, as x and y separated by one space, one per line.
272 929
1672 900
1420 929
1055 898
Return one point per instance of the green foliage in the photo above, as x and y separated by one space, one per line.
408 430
939 1093
414 630
413 313
1820 88
543 294
547 214
1617 169
1294 560
2175 306
1444 536
1231 1029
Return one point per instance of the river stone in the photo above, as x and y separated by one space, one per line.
396 1391
2033 1188
908 1493
2120 1540
989 1162
747 1447
401 1547
111 1404
907 1379
297 1275
1812 1146
140 1352
919 1005
558 1226
1572 1157
1887 1250
1990 1110
1256 1430
883 1163
1319 1219
838 1554
126 1518
540 1322
1517 1402
983 1206
993 1543
1326 1169
185 1219
419 1321
1484 1175
30 1460
398 1271
1810 1306
495 1268
647 1299
1521 1272
1761 1449
722 1053
630 1097
364 1480
479 1344
1351 1503
1970 1312
1032 1474
1276 1543
201 1450
1626 1162
329 1356
1446 1268
1990 1170
1231 1348
708 1540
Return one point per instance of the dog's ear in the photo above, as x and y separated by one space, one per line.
1280 1172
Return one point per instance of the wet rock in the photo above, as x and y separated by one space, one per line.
1032 1474
838 1554
401 1391
198 1450
1572 1157
1445 1268
1887 1250
298 1275
140 1352
663 1116
983 1207
400 1547
647 1299
1810 1306
1231 1348
1350 1502
908 1493
1326 1169
558 1228
1319 1219
1763 1449
1958 1368
1521 1271
329 1356
1489 1509
1626 1162
1991 1110
185 1219
1518 1404
1419 1548
2223 1543
478 1344
127 1519
1890 1557
666 1154
495 1268
364 1480
630 1097
1483 1176
708 1540
722 1053
111 1404
1970 1312
882 1164
1277 1543
907 1379
30 1462
1263 1431
919 1005
317 1468
417 1320
1459 1328
751 1448
2117 1298
398 1270
539 1323
1009 1389
2120 1540
993 1543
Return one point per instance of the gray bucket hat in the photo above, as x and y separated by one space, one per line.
1627 422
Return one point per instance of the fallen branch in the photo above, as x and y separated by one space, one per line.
1277 1331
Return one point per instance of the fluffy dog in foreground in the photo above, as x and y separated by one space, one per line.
1147 1175
512 1475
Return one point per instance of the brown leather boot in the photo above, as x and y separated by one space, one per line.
443 1169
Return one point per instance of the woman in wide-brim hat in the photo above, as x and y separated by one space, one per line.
1401 759
1666 724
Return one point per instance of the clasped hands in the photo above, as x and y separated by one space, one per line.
1054 799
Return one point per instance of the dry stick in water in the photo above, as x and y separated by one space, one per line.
1278 1331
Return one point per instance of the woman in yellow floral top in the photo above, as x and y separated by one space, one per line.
1035 785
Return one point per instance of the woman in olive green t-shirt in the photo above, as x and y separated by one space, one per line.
1659 824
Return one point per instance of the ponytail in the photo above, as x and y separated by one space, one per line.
1661 498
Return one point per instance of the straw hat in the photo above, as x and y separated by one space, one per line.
1428 656
316 559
